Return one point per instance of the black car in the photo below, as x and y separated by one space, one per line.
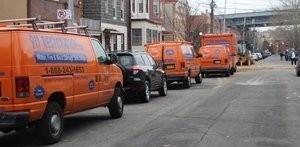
141 75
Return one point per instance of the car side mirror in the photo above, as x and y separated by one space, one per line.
113 58
154 66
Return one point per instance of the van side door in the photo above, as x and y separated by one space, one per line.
105 76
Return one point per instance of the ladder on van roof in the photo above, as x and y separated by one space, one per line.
34 24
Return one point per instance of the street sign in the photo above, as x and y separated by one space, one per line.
63 14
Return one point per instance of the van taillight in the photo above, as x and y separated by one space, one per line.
182 65
135 69
22 87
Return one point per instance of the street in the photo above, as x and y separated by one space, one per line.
258 106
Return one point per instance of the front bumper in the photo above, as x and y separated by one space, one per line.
13 119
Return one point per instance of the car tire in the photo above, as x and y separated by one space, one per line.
227 73
198 79
187 82
116 105
164 88
145 96
298 74
231 71
50 127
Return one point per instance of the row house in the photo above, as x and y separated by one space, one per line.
147 21
113 18
107 20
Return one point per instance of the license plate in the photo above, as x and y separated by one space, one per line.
170 66
217 62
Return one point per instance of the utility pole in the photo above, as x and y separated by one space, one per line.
224 23
212 7
71 8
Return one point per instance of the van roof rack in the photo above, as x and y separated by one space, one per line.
34 24
14 21
65 29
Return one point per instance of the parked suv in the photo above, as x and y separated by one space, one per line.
141 75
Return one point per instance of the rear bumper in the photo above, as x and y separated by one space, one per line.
172 78
13 119
213 70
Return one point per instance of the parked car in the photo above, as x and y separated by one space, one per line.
47 74
254 56
178 59
141 75
259 55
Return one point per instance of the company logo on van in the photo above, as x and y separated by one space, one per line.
217 51
39 92
170 52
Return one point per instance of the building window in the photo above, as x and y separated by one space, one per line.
122 9
106 6
147 6
149 36
133 6
141 6
114 8
154 36
137 37
122 43
156 8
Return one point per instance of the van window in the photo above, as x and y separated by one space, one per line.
187 51
100 53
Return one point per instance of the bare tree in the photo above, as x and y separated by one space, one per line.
288 15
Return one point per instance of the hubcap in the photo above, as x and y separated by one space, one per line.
165 86
147 91
120 103
55 123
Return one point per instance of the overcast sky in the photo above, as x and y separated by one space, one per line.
235 6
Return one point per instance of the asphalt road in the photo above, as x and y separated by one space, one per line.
259 106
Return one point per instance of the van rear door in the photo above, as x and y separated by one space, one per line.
6 92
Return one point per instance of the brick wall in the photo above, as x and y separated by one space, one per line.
47 9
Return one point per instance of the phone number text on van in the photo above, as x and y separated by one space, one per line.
57 70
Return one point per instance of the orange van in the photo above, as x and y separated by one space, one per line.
178 59
45 75
215 59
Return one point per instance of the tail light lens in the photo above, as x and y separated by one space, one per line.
22 87
182 65
135 69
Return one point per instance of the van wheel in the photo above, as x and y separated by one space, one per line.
187 82
116 105
298 74
50 127
164 88
198 79
146 93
